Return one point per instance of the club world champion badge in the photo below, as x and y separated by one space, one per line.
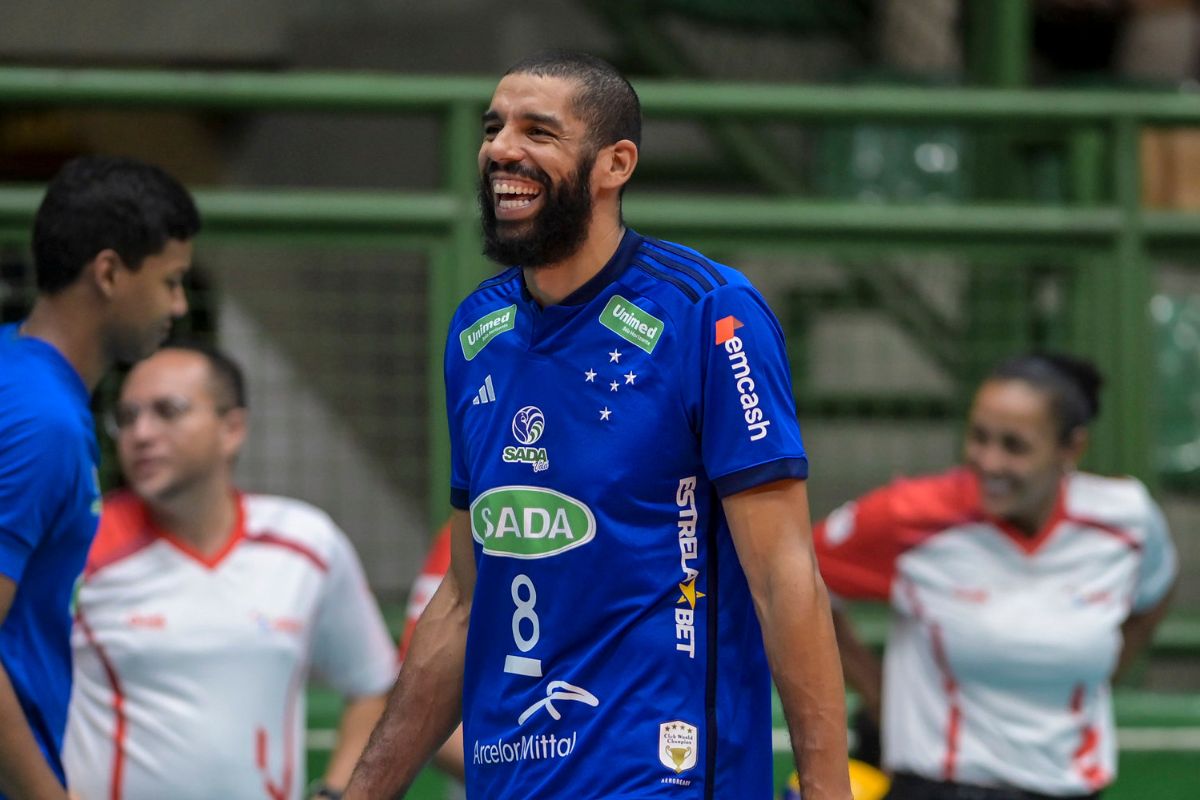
677 745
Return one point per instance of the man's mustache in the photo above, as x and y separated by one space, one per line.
518 171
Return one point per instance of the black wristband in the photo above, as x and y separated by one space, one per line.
323 791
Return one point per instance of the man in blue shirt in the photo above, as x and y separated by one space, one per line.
632 524
111 244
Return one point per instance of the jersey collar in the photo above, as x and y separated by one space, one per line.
1028 544
631 240
211 561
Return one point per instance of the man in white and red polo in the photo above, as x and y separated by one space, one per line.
202 610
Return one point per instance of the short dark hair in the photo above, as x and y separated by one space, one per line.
605 101
100 202
228 380
1072 384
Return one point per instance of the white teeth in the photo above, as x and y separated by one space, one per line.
499 187
510 204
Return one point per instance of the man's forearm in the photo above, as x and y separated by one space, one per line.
420 713
862 668
802 651
1137 631
422 709
24 772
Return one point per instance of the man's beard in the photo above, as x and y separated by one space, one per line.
557 231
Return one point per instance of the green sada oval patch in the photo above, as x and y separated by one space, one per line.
530 522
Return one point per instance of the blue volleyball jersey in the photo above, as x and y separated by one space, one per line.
614 651
49 510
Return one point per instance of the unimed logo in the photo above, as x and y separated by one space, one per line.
739 364
485 329
636 325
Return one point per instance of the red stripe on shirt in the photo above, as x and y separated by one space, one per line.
954 723
123 531
119 726
279 541
283 789
1125 537
949 684
126 527
289 730
1086 758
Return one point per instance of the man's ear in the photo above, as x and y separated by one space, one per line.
233 432
615 165
1077 445
102 271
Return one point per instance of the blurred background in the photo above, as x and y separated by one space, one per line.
920 187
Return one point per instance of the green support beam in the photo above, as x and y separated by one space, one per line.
274 215
457 267
236 91
1131 381
325 92
738 143
1104 229
998 42
415 220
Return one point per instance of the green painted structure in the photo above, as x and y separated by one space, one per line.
1098 227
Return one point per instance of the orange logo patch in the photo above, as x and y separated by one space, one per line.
726 327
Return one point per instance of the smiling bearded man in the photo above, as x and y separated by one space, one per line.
624 452
558 229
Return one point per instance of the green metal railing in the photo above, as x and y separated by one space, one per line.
1105 231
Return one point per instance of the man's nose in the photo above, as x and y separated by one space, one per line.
504 148
179 303
990 459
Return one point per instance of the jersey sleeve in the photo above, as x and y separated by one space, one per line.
33 477
460 480
749 434
857 547
352 650
1159 564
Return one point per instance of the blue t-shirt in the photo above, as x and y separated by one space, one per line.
613 650
49 509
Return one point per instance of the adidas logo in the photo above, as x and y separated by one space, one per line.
487 394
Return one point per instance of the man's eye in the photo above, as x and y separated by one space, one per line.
171 409
1015 446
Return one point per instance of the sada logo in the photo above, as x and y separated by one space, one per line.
530 522
528 424
527 427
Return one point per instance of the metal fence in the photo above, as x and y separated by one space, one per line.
897 285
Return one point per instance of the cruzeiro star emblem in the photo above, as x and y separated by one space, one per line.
612 382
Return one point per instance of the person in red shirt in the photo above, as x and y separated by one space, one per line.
1019 586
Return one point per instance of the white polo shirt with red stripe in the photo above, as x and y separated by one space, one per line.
1002 645
190 671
